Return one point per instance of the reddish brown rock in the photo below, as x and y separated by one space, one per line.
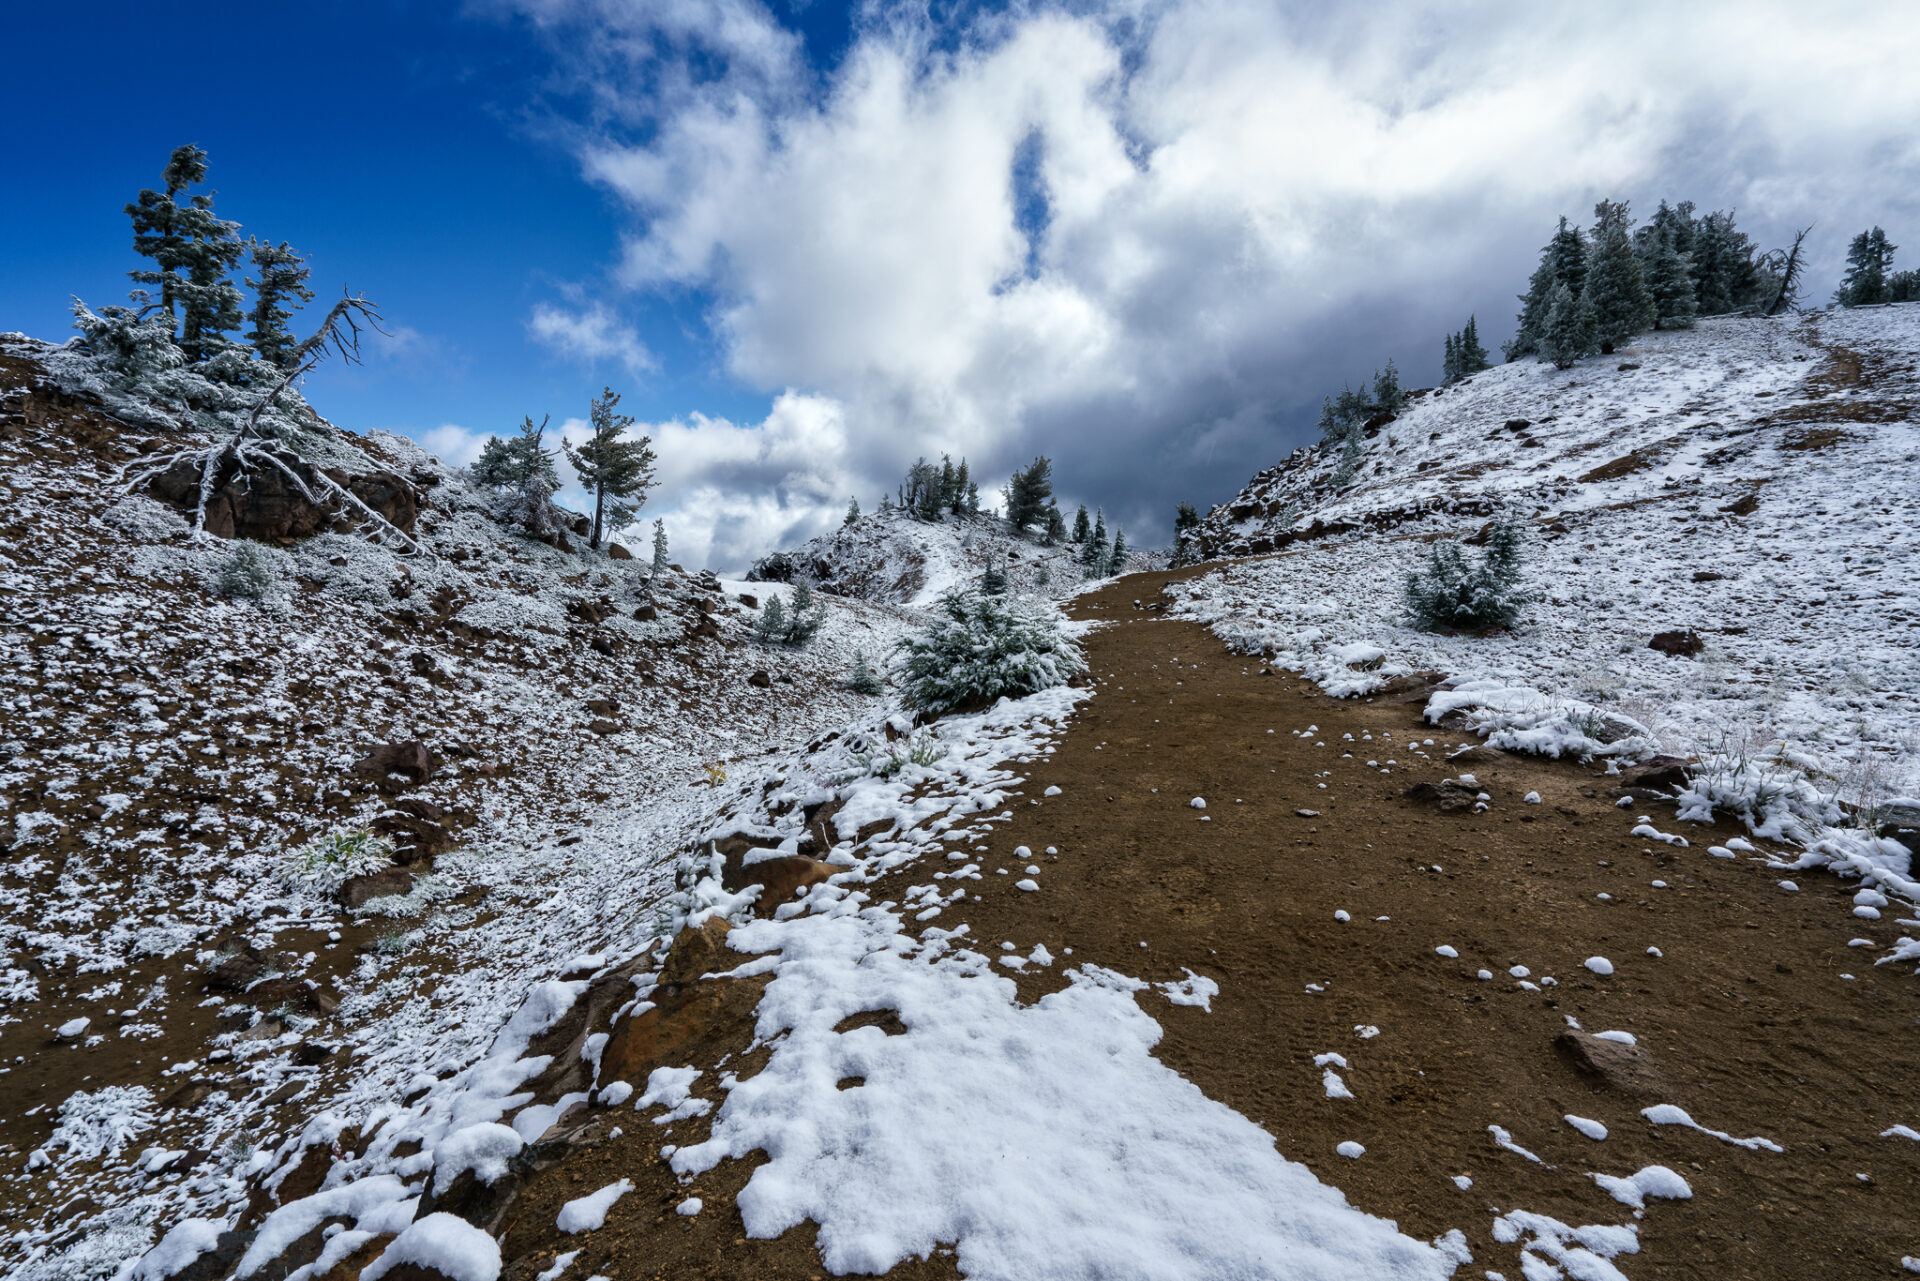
1680 644
356 891
393 765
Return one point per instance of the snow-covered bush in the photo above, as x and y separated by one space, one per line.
248 573
980 648
864 679
1451 591
325 865
100 1122
794 625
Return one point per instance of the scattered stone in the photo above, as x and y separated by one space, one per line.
1680 644
751 602
603 706
602 645
238 971
356 891
1662 774
298 995
387 763
616 552
760 680
1448 796
1623 1067
645 613
604 727
1706 576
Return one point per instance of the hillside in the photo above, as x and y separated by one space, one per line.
1291 941
890 557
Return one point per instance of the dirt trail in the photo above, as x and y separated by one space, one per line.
1745 1018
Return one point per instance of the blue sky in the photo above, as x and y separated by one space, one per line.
810 241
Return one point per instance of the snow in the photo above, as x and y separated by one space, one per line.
446 1244
1198 802
589 1213
1592 1129
485 1147
1652 1181
1502 1138
101 1122
1901 1132
689 1207
1624 1038
1448 951
1351 1149
70 1029
1599 965
1668 1114
1551 1249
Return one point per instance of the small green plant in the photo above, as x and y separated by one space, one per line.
248 573
980 648
790 625
323 866
1450 591
922 748
864 679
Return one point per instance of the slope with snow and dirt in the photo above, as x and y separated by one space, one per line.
892 557
533 732
1723 554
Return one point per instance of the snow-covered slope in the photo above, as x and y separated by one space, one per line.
1748 485
165 751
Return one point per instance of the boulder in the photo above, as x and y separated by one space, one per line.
297 995
750 601
602 645
1665 774
1613 1064
616 552
603 706
1680 644
589 611
759 679
356 891
604 728
705 626
394 765
645 613
1448 796
782 879
237 972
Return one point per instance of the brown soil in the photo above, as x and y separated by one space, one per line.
1746 1020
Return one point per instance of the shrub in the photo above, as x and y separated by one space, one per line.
793 625
248 573
864 679
980 648
323 866
1451 591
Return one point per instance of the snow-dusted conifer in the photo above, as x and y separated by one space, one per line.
1093 552
1869 261
659 547
1450 362
1725 276
279 287
853 511
1534 305
1622 304
1449 591
1473 357
994 581
1117 558
864 679
973 498
1082 526
1027 493
611 468
1571 329
248 573
771 627
1669 286
980 648
1056 526
1387 396
157 233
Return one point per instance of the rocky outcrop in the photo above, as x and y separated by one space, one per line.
262 504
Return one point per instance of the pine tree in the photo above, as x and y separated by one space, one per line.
1724 274
1571 329
1669 287
771 627
659 546
1082 527
1869 262
1568 253
1056 526
864 679
1903 286
609 467
1027 493
1186 525
1387 396
973 498
1093 552
949 491
1117 558
853 511
1473 357
157 233
886 502
994 581
1450 363
963 487
1534 305
1616 287
209 300
279 289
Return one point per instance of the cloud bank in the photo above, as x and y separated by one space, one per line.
1145 238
